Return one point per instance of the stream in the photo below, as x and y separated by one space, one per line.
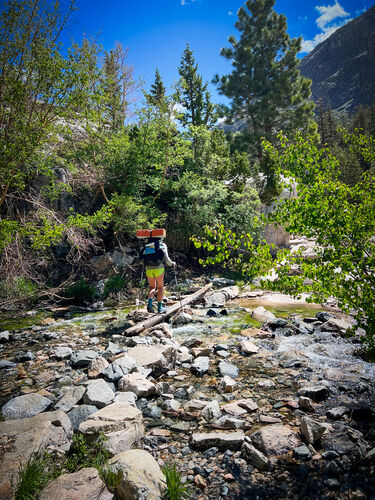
294 351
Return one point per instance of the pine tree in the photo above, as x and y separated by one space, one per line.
266 89
193 94
157 90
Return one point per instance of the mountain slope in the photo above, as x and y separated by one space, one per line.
342 68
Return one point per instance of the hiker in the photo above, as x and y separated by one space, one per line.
155 271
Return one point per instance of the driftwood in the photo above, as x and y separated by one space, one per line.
159 318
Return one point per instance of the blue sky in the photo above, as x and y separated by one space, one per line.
156 31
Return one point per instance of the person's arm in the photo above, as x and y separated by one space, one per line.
167 259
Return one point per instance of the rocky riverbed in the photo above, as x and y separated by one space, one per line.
251 395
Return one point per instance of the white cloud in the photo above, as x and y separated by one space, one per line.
324 22
230 13
183 2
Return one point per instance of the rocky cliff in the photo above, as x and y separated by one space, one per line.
342 68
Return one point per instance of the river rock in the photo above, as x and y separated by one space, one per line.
184 355
119 368
25 406
261 314
370 456
277 323
337 413
158 358
4 337
302 452
335 325
231 422
311 430
211 411
112 418
137 383
126 397
5 364
324 316
22 438
181 318
98 393
341 439
97 366
221 440
200 366
306 404
195 405
80 414
71 396
62 352
275 439
228 369
142 478
84 484
316 392
248 347
227 384
223 282
83 358
254 457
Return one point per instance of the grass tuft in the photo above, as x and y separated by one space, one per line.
176 490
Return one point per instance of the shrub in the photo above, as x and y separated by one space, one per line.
114 284
175 488
80 291
18 287
35 474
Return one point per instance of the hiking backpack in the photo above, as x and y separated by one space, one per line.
151 254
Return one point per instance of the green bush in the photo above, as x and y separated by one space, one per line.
80 291
114 284
18 287
86 454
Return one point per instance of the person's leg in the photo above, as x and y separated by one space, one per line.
160 294
152 283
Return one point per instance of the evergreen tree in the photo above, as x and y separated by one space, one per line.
265 87
157 91
193 94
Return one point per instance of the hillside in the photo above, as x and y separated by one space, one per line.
342 68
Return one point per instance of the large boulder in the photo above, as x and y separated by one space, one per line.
219 297
261 314
275 439
83 358
71 396
112 418
311 430
119 368
142 478
25 406
22 438
82 485
158 358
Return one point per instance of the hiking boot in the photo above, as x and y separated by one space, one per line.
150 307
161 308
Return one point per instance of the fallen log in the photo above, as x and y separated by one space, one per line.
159 318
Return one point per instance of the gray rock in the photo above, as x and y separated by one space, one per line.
113 418
336 325
370 456
71 396
211 411
98 393
25 406
181 318
275 439
302 452
231 422
83 358
341 440
261 314
5 364
218 298
227 384
142 478
223 282
22 438
21 356
84 484
338 412
228 369
157 358
137 383
119 368
126 397
97 366
323 316
112 350
248 347
316 392
221 440
4 336
277 323
200 366
311 430
80 414
254 457
306 404
62 352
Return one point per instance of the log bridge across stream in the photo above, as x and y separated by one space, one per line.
159 318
